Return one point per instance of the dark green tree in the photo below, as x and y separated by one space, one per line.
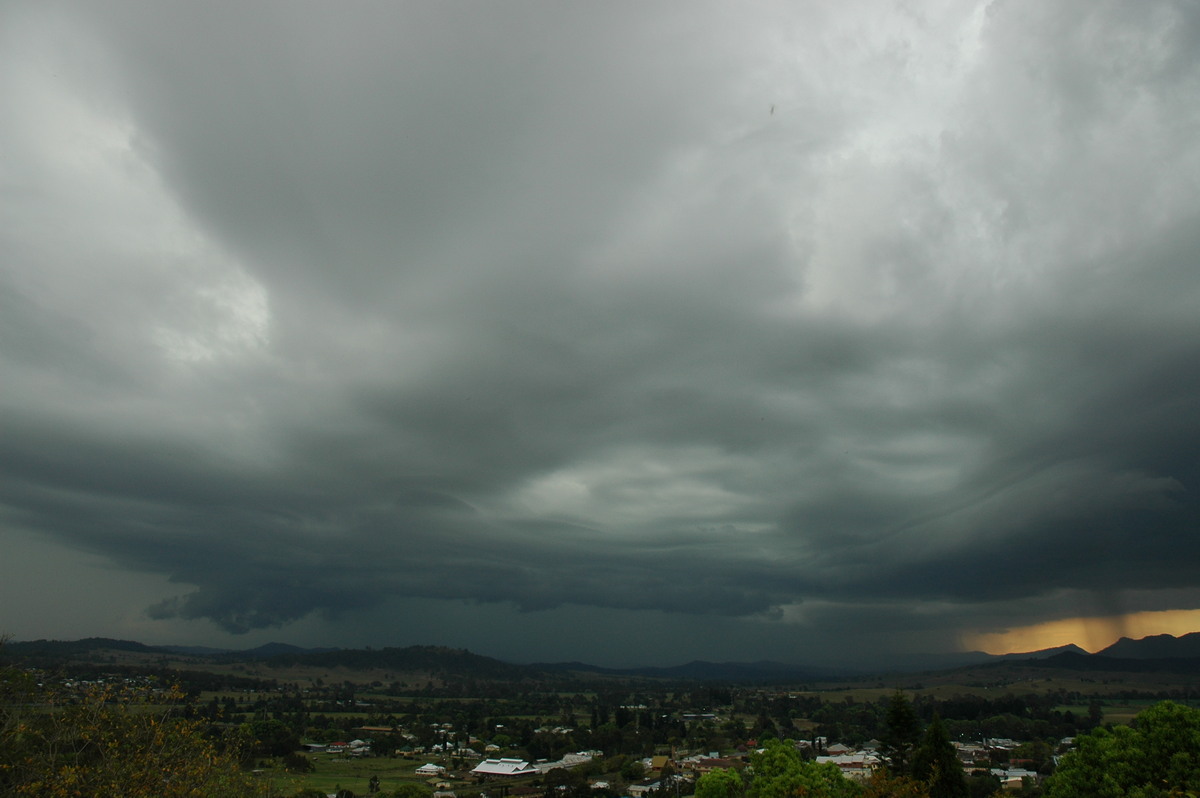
936 762
983 785
1158 756
901 732
270 737
633 770
411 790
779 771
296 763
721 783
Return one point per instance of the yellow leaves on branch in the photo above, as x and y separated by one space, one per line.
109 742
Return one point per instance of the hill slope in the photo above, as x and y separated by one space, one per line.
1155 647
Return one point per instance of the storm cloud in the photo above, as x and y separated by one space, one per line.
783 327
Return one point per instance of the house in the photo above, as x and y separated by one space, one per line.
504 767
430 769
568 761
972 753
707 764
1013 778
856 765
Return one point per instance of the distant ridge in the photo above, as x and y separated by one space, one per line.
270 651
1100 662
69 648
1155 647
1158 653
1045 653
197 651
763 671
431 659
76 648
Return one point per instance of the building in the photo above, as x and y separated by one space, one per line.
504 768
430 769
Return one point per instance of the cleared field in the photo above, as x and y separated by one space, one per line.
334 773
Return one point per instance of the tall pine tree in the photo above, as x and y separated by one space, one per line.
900 735
936 762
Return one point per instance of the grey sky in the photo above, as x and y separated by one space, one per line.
617 331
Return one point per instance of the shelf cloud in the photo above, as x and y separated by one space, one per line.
770 331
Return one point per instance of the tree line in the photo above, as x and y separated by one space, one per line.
1156 756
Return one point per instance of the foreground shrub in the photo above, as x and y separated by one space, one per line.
1159 755
108 743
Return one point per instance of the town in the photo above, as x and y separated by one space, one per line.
449 731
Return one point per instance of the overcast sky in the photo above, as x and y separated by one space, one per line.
618 331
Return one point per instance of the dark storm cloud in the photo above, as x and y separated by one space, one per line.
807 320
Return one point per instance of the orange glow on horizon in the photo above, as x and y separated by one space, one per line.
1091 634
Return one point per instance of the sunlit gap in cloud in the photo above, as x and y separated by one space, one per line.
620 487
152 274
1091 634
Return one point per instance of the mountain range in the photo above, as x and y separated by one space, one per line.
1158 652
1155 647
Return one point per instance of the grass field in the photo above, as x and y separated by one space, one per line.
1114 712
334 773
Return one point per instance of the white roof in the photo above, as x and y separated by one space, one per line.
504 767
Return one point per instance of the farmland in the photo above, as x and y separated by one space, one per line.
352 720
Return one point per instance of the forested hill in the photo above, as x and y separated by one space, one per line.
1160 654
1155 647
66 649
1098 662
424 659
763 672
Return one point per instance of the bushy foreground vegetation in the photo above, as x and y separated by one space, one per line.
109 742
921 766
1157 756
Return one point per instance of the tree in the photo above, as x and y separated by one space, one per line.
411 790
1158 756
936 762
884 784
633 770
1039 753
113 743
271 737
902 731
983 785
720 783
296 763
779 771
565 781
